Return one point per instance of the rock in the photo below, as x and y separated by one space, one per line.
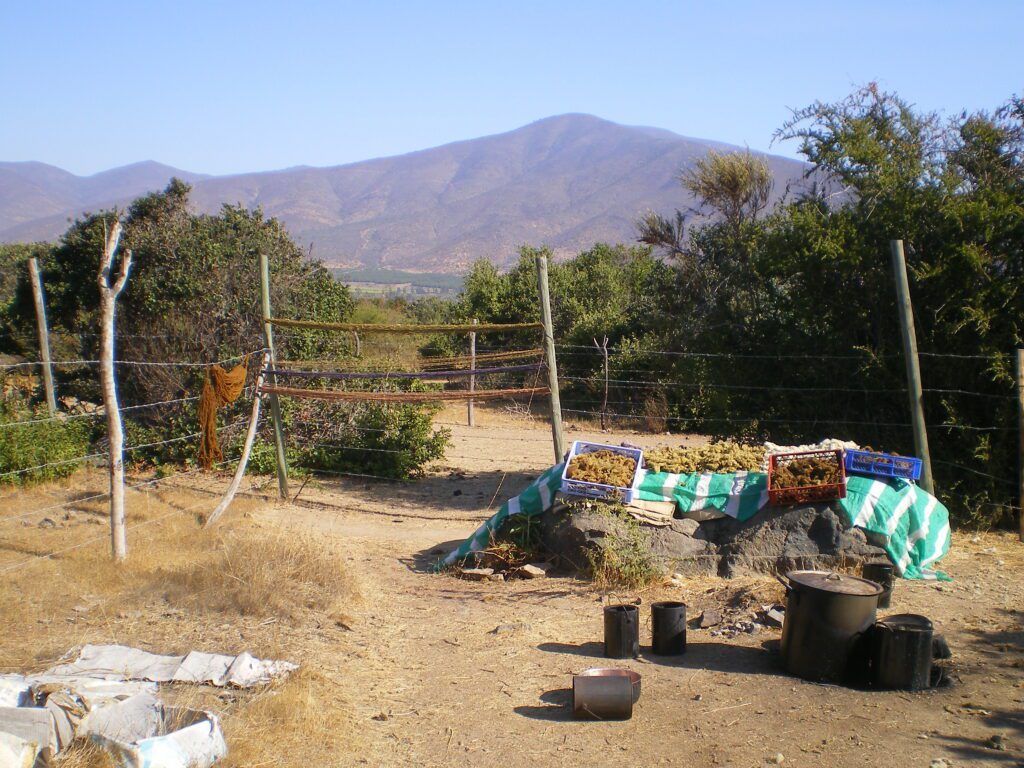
710 618
533 570
938 763
47 523
685 526
995 741
774 617
778 759
476 574
775 540
381 717
781 539
457 492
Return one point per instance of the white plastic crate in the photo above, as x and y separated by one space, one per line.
571 487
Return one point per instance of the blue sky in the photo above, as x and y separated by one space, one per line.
226 87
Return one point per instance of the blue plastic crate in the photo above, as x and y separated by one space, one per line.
882 464
572 487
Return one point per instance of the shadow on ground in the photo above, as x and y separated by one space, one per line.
425 560
455 492
718 657
557 706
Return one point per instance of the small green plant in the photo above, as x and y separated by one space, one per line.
517 542
46 449
623 557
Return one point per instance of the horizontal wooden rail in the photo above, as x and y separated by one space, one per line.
401 397
401 328
352 375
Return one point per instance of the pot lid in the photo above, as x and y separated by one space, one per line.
838 583
907 621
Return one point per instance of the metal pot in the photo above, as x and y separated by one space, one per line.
603 696
883 574
827 619
901 652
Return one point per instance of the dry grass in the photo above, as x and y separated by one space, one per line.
276 593
275 574
85 754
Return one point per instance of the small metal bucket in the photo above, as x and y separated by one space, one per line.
621 631
605 694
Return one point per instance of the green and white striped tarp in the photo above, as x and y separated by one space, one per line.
912 524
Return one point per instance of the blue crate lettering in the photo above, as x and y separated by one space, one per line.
572 487
882 464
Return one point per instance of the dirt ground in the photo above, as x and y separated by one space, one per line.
431 670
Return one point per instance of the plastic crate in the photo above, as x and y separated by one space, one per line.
882 464
806 494
571 487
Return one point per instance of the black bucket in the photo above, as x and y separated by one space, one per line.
883 574
668 628
621 631
901 653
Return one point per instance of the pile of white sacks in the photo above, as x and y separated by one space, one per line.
109 695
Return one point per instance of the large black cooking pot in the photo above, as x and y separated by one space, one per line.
827 619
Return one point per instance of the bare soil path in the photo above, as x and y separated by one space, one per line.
445 672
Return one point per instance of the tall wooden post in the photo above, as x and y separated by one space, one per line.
603 349
1020 431
275 404
899 268
44 334
110 288
470 416
558 438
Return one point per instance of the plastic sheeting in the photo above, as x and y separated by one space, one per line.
108 694
119 662
140 732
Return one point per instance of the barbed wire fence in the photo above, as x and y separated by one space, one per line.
721 399
19 505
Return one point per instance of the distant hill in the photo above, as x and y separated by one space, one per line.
565 182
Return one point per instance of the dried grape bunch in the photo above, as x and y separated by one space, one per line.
714 457
811 471
604 467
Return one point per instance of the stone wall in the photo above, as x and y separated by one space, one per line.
776 540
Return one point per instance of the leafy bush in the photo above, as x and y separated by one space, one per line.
623 557
384 440
56 444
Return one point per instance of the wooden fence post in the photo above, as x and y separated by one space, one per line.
470 416
603 349
250 436
558 438
109 291
275 404
906 310
1020 445
44 334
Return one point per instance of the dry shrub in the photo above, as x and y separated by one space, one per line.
299 721
182 588
655 412
264 575
84 754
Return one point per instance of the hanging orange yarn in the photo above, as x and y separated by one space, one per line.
220 388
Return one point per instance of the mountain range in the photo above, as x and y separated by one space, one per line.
565 182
